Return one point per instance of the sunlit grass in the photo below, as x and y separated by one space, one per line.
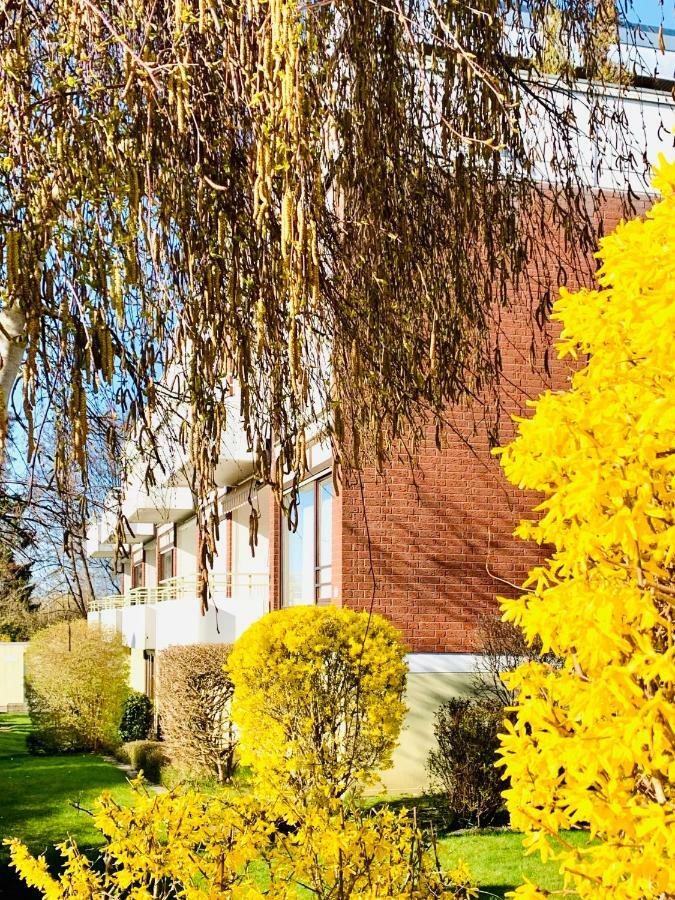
43 798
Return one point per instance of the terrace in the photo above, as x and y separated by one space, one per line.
153 618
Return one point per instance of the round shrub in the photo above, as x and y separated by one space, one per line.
194 698
136 718
318 699
76 676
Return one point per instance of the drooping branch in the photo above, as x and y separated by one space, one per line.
323 202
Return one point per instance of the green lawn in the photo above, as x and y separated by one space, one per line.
496 859
37 793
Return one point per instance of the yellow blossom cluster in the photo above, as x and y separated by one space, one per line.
593 743
313 681
185 844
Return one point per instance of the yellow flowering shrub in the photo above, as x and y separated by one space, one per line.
341 851
180 843
593 743
184 844
318 699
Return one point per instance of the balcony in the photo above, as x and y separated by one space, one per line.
157 505
101 534
155 618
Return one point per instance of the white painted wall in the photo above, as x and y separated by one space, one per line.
645 127
138 626
137 670
424 694
106 618
186 548
12 674
180 622
151 564
243 561
220 561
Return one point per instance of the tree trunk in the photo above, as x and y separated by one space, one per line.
12 346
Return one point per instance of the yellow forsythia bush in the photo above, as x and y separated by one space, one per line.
185 844
593 743
318 699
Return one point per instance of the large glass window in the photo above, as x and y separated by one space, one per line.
307 552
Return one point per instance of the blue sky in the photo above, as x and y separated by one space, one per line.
652 12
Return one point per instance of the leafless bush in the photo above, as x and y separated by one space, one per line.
502 648
194 704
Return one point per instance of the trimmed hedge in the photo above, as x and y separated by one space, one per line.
144 756
194 702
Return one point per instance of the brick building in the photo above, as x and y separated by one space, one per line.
430 546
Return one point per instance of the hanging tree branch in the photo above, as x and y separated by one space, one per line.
323 201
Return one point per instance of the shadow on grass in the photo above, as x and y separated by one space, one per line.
431 811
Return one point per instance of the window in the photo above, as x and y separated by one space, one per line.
137 575
166 567
138 568
166 553
307 552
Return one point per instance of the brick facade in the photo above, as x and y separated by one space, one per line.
440 535
441 546
441 543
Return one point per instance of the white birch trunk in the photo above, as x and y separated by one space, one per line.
12 347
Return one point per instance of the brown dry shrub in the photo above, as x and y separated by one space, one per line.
194 706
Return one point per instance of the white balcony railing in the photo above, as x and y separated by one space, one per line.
155 618
222 588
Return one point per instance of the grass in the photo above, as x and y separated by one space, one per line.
37 797
494 856
172 777
496 859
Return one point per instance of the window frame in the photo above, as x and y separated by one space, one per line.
137 568
166 540
316 481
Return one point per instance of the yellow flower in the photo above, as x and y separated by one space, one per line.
592 744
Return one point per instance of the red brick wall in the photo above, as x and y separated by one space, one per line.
429 528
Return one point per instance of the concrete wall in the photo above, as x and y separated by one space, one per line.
137 670
11 675
425 693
